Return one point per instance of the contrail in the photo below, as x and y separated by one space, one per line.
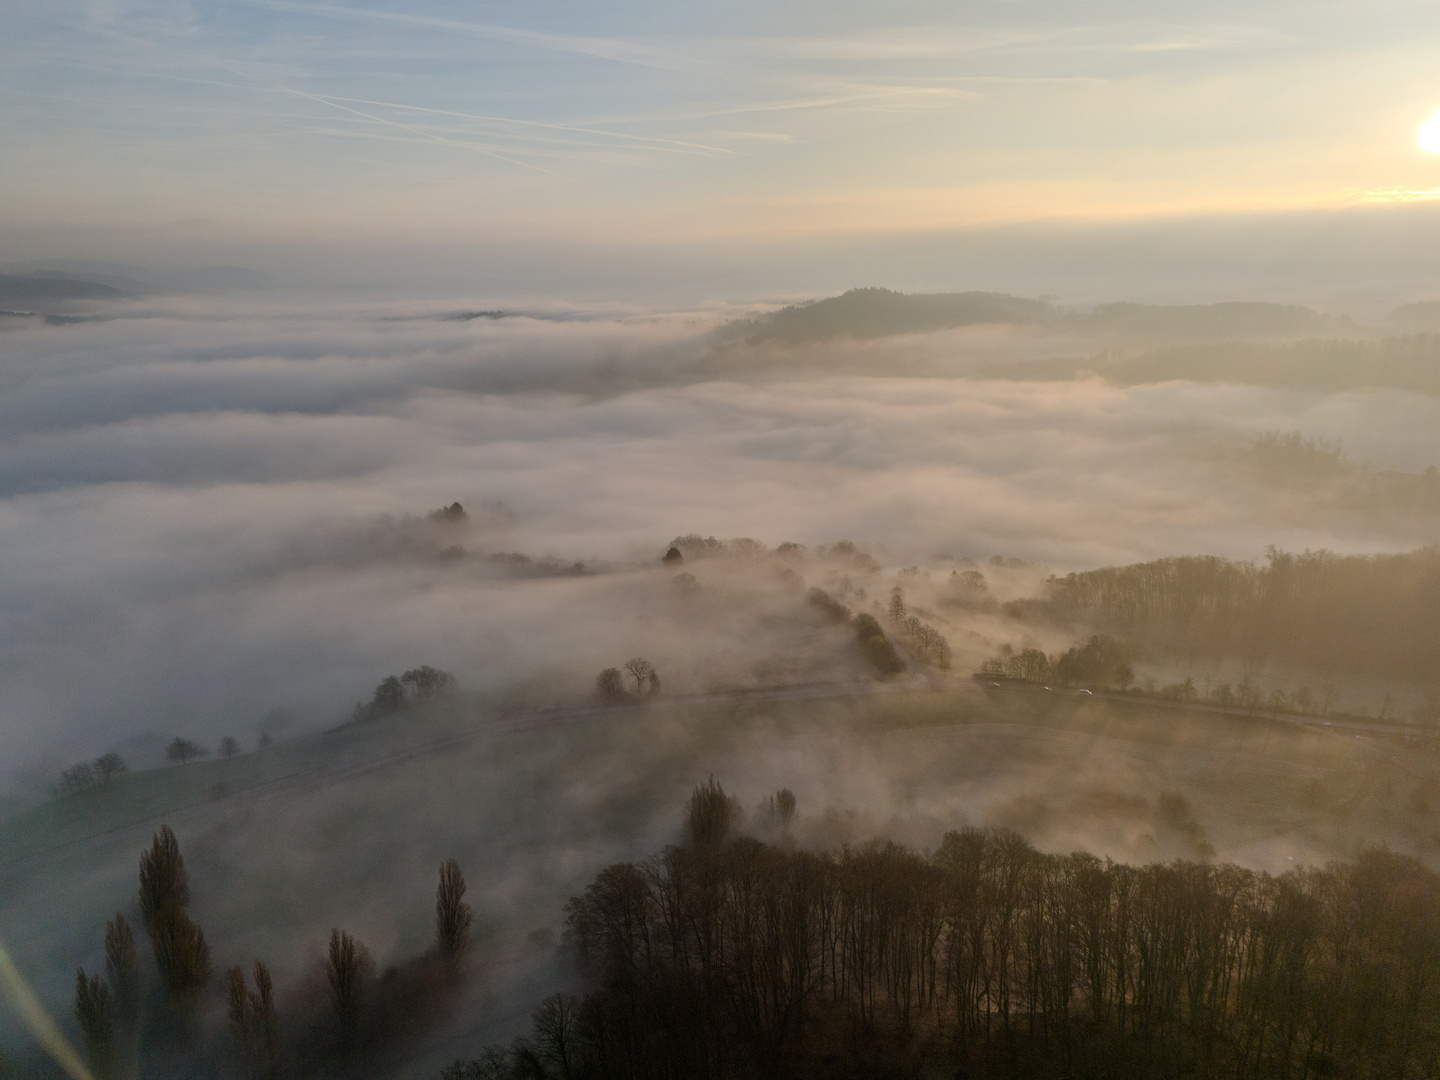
619 51
539 124
420 132
17 991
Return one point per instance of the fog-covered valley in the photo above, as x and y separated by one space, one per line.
236 515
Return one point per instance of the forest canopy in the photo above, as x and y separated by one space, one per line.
1352 614
728 957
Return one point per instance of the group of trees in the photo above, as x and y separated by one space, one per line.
397 692
119 1021
1103 663
611 688
928 644
730 958
1408 362
1348 614
86 774
874 645
695 546
1100 663
106 767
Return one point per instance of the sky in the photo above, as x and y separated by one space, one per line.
442 138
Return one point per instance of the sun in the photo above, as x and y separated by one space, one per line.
1429 135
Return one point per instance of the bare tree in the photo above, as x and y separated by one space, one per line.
109 765
428 682
347 968
94 1011
122 970
707 820
555 1035
182 750
610 685
452 914
262 1015
181 953
237 1008
389 696
229 747
896 610
641 670
785 806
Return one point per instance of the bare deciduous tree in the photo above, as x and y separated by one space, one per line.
237 1007
428 682
182 750
122 970
610 685
641 670
262 1019
109 765
347 968
181 953
95 1013
708 818
785 805
555 1036
452 914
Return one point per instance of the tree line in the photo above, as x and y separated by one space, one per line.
878 649
130 1013
86 774
728 957
1404 362
1350 614
1100 663
181 751
924 640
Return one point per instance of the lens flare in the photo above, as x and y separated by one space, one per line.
16 990
1429 135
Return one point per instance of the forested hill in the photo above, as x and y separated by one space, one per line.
876 313
1403 362
1351 614
32 288
730 958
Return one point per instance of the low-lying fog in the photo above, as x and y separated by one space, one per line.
218 519
202 502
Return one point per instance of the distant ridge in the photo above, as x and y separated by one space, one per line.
877 313
28 288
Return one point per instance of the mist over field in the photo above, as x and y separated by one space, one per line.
205 503
225 515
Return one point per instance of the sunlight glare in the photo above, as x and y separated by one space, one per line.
1429 135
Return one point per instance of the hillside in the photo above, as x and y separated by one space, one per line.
346 828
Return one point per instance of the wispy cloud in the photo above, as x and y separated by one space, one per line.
648 141
1394 195
418 132
617 50
939 42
